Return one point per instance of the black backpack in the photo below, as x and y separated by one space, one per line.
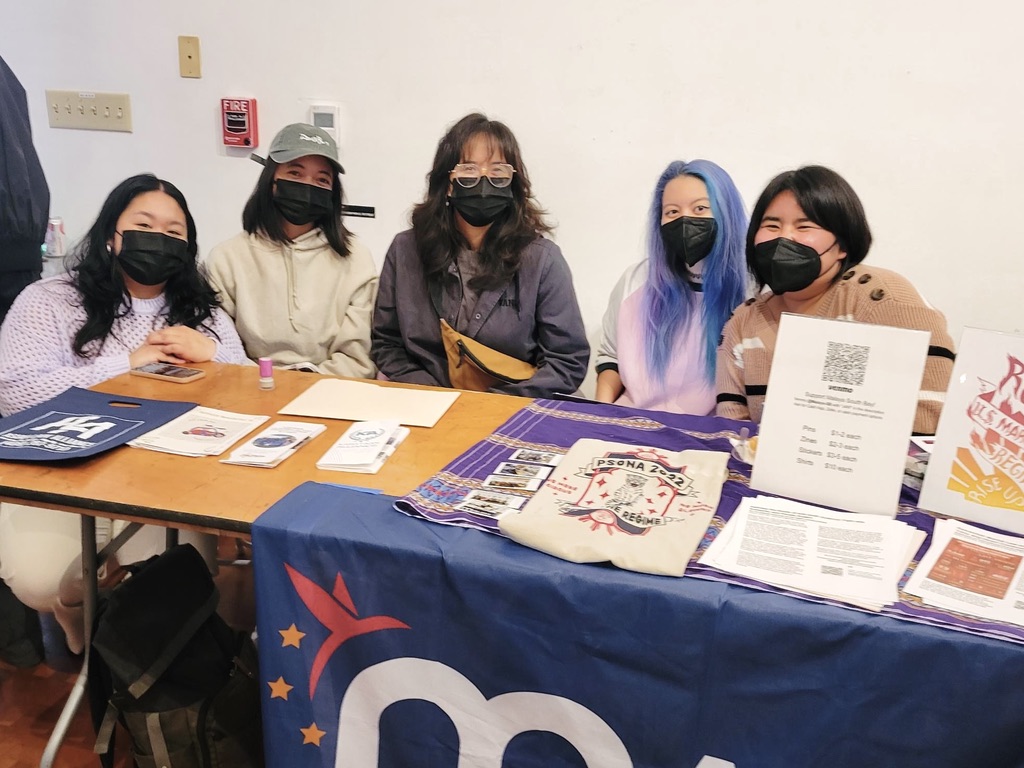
183 683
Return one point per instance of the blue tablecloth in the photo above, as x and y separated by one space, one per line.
415 641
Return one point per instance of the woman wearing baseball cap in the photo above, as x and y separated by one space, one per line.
299 286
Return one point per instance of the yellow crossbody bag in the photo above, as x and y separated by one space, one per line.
477 367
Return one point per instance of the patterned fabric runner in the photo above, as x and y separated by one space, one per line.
552 426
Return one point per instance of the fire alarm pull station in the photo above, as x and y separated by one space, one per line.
238 121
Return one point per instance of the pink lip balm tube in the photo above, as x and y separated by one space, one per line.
266 373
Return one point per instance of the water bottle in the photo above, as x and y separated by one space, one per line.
54 244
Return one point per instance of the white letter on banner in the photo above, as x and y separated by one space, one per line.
86 426
484 727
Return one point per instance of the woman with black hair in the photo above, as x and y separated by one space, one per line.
298 284
134 295
807 236
477 268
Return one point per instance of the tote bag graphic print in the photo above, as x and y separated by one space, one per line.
79 423
643 509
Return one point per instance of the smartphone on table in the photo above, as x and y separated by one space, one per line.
168 372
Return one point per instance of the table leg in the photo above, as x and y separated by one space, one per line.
89 588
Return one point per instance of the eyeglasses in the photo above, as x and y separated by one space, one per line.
468 174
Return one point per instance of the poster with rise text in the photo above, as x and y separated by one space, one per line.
976 470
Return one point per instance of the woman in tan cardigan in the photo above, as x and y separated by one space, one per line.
807 238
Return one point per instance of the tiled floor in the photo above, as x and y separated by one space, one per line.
31 699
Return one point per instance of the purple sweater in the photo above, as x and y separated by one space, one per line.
37 361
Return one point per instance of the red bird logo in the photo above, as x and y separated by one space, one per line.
337 613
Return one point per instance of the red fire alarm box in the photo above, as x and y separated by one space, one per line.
238 121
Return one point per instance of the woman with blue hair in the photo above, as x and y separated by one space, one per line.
665 317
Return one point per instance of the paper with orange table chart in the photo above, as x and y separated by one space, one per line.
972 571
366 401
976 470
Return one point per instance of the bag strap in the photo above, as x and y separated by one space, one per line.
106 730
156 739
173 647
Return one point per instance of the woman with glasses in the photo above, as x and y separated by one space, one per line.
665 315
299 286
134 295
807 238
477 264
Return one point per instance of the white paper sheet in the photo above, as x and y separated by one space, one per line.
850 557
839 411
972 571
200 432
366 401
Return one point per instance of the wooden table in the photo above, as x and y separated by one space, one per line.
204 494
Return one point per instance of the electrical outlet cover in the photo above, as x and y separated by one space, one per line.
89 110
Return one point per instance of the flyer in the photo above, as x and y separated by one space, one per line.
976 470
839 413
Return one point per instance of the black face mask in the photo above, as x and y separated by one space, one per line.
688 240
301 203
151 258
785 265
483 204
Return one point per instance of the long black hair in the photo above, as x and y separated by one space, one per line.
97 277
261 216
438 240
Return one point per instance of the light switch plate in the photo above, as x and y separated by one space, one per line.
89 110
189 63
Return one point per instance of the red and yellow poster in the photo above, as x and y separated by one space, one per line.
976 471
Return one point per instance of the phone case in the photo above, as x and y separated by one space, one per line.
194 374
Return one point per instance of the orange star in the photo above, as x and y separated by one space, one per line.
312 735
291 636
279 689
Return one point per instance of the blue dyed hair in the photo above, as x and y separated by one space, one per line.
669 301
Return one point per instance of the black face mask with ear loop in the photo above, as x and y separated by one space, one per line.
301 203
151 258
483 204
785 265
688 240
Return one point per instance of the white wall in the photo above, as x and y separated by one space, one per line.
917 104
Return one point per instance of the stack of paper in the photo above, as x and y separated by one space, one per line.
364 447
854 558
972 571
200 432
274 444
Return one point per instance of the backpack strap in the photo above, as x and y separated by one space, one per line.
156 739
106 730
173 647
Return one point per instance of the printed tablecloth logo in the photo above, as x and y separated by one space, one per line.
484 726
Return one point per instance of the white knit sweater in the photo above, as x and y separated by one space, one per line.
37 359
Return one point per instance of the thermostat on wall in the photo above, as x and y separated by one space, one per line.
325 116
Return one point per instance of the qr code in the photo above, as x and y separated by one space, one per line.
831 570
845 364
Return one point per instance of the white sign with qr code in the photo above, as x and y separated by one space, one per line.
839 412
